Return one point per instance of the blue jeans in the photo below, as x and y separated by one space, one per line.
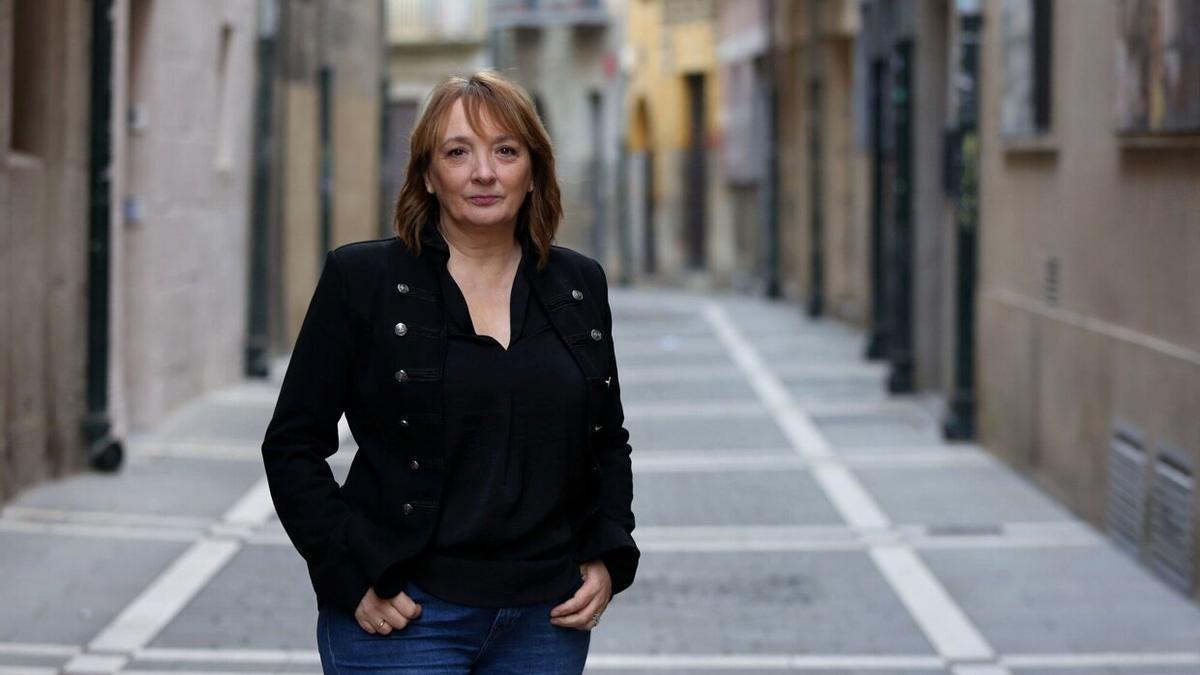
449 638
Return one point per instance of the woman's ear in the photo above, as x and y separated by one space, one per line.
428 185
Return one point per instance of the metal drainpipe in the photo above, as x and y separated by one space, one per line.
772 244
960 419
105 452
900 379
816 282
258 334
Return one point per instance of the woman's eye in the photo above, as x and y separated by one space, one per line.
508 151
457 152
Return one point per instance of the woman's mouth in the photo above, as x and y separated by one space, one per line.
483 200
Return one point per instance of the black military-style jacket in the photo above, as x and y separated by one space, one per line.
372 345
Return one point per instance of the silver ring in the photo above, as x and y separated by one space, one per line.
382 622
595 619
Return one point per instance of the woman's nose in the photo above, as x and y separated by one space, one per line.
484 172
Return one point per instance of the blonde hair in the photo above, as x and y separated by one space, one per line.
508 106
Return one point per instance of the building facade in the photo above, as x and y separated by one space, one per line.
1089 325
681 227
44 132
565 54
426 41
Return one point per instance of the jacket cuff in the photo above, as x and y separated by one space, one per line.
343 585
379 553
607 541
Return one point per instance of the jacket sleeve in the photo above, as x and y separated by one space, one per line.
303 433
608 534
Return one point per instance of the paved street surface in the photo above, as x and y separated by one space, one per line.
791 515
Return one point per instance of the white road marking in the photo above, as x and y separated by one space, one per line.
719 409
193 655
943 622
28 670
1101 660
159 602
101 531
763 662
91 664
44 515
37 649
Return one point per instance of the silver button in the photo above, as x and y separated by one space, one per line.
402 288
403 424
596 334
608 381
598 427
577 294
414 465
401 376
407 509
401 329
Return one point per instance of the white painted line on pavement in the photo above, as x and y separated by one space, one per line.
27 670
136 671
254 508
95 663
1102 660
646 374
194 655
692 662
944 623
37 649
849 497
804 436
159 602
714 661
101 531
981 669
719 409
38 514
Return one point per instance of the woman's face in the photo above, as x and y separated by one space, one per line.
480 180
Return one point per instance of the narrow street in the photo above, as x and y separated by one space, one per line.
792 516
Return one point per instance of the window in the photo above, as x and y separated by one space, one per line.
1158 66
1026 34
29 82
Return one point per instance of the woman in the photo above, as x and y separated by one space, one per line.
486 520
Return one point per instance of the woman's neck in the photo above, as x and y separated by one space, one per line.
489 251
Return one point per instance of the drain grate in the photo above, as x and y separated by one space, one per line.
1126 513
1172 529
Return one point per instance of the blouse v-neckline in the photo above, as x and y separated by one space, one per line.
458 311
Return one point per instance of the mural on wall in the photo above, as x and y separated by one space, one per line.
1158 66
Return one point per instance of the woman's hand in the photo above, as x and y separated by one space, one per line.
584 608
381 615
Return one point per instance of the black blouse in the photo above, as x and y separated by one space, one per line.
515 425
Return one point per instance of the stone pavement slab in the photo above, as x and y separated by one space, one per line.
880 428
758 603
61 589
958 495
261 599
163 486
1067 600
730 498
635 393
705 433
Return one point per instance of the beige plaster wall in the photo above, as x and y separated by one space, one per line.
1122 215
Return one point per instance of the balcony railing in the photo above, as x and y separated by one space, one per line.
540 13
427 22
